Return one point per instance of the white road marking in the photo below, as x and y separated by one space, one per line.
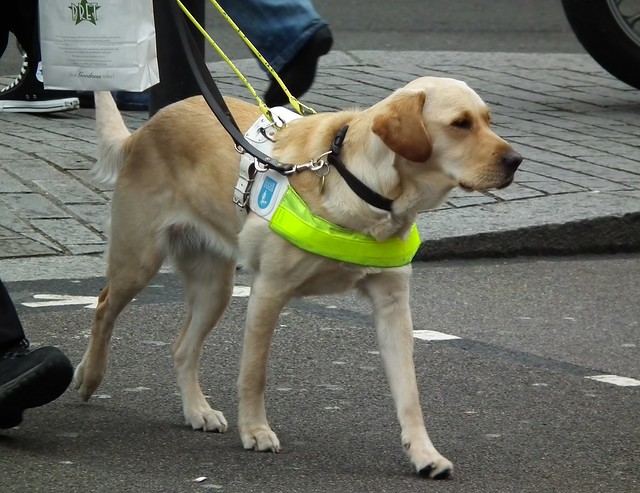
616 380
136 389
241 291
50 299
432 335
155 343
62 299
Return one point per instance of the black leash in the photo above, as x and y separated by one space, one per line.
216 102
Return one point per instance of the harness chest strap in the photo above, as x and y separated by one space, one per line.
295 222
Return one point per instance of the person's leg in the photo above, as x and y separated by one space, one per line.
21 18
290 34
176 79
27 378
27 93
11 332
278 28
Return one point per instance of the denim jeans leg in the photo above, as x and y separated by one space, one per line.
277 28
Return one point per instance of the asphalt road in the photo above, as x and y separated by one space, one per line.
533 26
509 402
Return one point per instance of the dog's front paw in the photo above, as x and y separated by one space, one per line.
206 419
429 463
440 468
260 439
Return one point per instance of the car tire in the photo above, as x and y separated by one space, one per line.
610 33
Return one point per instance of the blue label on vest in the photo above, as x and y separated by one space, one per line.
266 192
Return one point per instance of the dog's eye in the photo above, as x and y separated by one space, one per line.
463 123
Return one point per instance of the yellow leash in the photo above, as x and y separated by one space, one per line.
297 105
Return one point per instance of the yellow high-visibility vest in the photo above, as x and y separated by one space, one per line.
295 222
273 199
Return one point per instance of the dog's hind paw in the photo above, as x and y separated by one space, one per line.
86 381
207 420
261 439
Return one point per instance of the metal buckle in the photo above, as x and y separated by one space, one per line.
314 165
259 166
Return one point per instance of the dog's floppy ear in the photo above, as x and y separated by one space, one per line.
399 124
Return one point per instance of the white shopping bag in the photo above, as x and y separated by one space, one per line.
98 45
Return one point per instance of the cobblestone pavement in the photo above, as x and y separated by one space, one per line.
578 189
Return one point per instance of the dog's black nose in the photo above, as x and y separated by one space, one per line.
511 160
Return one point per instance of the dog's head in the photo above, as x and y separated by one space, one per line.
444 126
413 147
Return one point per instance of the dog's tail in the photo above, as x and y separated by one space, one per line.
113 137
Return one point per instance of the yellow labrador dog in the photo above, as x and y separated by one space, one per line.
174 183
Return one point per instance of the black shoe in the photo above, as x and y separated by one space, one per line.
27 94
31 379
299 73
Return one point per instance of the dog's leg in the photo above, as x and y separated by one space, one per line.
389 294
127 275
208 286
265 305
